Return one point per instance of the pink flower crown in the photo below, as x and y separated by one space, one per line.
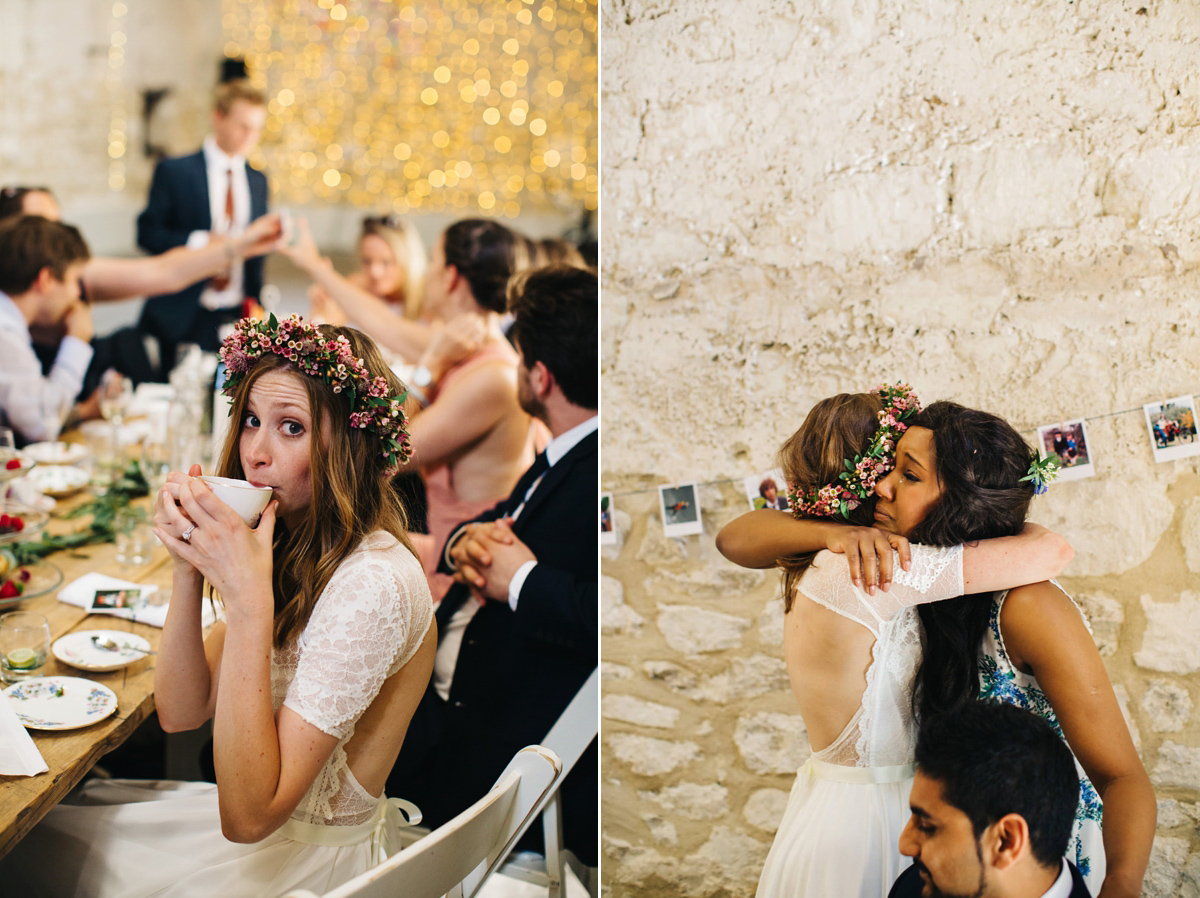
330 360
866 469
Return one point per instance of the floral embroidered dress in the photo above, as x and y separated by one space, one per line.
137 839
999 680
849 802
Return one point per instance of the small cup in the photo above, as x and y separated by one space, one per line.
24 644
245 498
135 536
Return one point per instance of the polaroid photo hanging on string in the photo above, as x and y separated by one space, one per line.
767 489
680 510
608 532
1172 426
1068 443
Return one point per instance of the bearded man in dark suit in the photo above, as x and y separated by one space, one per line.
517 632
212 191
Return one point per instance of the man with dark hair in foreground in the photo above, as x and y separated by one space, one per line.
992 806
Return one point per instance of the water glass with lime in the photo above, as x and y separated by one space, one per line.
24 644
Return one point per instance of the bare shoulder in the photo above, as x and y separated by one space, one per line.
1039 620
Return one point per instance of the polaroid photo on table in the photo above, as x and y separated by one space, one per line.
1172 426
608 533
1068 443
767 489
680 510
111 601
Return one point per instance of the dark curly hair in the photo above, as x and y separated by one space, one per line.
980 460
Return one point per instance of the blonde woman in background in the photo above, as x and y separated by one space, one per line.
391 258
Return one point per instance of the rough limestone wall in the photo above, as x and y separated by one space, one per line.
993 201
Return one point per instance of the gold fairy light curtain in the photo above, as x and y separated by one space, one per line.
427 106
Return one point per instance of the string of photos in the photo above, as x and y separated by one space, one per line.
1170 425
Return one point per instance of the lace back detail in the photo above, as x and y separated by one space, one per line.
367 624
882 731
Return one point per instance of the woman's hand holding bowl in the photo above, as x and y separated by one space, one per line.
233 558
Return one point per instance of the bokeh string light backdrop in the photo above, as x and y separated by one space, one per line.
427 106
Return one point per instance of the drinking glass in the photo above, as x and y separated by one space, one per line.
155 462
53 410
24 644
116 395
135 536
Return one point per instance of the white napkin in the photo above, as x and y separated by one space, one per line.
81 592
18 755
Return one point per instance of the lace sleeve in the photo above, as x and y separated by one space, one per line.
935 574
367 623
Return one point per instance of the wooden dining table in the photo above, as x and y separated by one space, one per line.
70 754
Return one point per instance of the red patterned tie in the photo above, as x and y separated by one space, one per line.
221 281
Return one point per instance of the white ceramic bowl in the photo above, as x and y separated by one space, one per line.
245 498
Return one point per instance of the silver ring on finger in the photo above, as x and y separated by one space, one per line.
186 536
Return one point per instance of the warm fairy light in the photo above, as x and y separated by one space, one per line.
432 104
118 135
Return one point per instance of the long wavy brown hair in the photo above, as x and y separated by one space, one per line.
837 428
352 495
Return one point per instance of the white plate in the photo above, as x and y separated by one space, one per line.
78 650
60 703
59 481
57 453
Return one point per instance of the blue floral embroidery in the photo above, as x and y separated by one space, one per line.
998 682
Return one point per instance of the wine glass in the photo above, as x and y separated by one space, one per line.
116 395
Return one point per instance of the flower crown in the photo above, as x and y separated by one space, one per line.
857 482
1042 470
332 361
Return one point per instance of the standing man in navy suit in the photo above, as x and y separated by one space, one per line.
212 191
517 632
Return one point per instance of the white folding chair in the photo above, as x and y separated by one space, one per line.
457 857
569 738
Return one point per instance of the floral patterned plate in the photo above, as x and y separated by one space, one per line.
60 703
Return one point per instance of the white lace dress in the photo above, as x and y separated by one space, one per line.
136 838
849 803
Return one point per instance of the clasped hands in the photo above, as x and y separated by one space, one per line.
487 556
236 560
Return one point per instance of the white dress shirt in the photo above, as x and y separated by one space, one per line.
219 166
1062 886
451 640
28 398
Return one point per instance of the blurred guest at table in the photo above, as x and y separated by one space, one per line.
40 266
412 335
192 198
391 261
105 279
311 679
473 439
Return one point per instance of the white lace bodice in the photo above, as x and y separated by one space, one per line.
882 732
368 622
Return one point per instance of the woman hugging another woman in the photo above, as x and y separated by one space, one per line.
853 634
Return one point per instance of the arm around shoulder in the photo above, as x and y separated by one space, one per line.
1033 555
758 538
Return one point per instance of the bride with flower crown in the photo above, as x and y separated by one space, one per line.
313 675
853 632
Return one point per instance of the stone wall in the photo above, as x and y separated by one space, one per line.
991 201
